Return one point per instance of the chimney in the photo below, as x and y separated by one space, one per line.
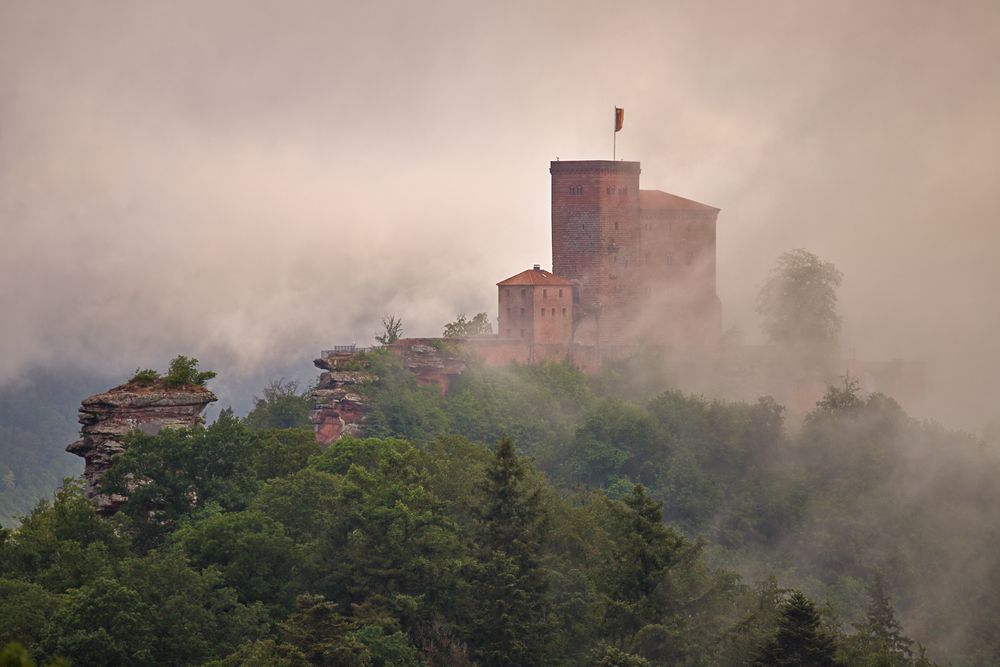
537 267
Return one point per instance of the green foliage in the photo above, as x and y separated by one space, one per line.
478 325
263 653
144 377
799 641
280 452
14 654
282 406
180 471
425 547
61 545
511 623
609 656
183 371
251 551
38 417
102 623
25 610
392 329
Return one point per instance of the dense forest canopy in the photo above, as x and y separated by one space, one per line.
531 516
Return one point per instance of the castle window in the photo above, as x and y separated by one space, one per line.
522 312
670 260
553 312
543 312
545 294
523 291
576 189
564 312
616 225
560 294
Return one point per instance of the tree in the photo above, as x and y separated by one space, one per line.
282 406
881 634
181 470
392 329
184 371
798 302
479 325
510 624
799 642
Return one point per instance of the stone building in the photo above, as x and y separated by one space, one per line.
629 267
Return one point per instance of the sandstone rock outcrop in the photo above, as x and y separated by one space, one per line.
432 360
339 400
108 417
338 406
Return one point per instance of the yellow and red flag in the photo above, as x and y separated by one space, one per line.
619 118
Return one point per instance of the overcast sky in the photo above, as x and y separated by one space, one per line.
252 181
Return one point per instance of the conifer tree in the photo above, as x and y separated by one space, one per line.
881 632
799 642
510 624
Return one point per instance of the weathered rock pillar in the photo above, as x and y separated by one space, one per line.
108 417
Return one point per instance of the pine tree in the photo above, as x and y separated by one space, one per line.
881 632
510 625
798 641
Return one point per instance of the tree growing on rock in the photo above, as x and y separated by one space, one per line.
392 329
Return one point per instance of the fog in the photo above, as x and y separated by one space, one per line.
249 182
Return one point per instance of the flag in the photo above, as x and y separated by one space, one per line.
619 118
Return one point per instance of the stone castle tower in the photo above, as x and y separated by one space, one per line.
642 261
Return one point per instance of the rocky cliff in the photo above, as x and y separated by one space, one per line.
339 401
108 417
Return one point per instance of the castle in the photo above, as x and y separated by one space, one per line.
629 267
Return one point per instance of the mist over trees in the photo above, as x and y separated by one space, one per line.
612 525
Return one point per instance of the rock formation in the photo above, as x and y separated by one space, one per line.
108 417
339 400
338 407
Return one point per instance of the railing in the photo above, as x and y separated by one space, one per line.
348 349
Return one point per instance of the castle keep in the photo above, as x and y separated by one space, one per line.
629 267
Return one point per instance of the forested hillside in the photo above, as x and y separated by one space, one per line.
532 516
37 421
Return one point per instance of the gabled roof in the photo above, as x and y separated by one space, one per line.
535 277
658 199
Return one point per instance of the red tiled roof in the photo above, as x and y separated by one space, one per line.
654 199
535 277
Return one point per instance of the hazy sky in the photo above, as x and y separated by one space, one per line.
253 181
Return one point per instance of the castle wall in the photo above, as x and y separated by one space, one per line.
553 315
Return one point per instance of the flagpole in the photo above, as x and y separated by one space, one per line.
614 135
